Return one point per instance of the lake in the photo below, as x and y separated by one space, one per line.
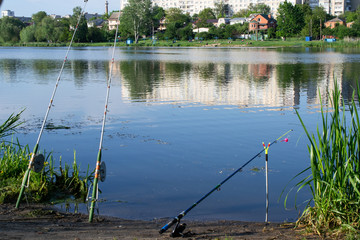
180 121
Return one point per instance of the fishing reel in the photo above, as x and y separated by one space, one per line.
178 230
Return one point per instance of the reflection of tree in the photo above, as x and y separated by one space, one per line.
140 77
351 73
78 69
44 67
177 70
8 69
299 75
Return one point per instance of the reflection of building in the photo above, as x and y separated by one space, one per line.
251 84
243 88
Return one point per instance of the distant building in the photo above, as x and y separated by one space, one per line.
54 16
98 23
91 16
349 25
113 20
336 7
7 13
26 20
262 22
237 20
223 21
234 6
334 22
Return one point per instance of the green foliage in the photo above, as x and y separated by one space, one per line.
10 29
82 31
175 15
47 185
185 33
260 8
334 180
136 17
221 9
28 34
38 17
96 35
314 22
290 20
10 125
205 15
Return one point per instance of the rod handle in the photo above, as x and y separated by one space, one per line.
168 225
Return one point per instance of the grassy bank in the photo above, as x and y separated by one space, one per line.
334 178
294 42
51 184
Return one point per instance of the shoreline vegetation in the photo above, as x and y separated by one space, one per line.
227 43
333 176
47 184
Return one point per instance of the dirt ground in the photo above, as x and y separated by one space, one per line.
46 222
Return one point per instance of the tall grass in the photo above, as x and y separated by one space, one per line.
10 125
49 185
335 168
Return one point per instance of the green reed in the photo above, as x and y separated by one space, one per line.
335 168
49 185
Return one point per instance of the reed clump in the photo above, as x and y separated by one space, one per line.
334 180
51 184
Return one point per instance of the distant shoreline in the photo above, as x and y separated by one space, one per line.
238 43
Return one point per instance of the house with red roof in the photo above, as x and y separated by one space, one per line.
262 22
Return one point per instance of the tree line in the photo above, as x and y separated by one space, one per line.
140 18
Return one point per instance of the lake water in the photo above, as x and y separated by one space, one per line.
180 121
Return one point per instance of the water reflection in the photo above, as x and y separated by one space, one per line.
243 85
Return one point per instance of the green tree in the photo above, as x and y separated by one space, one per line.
28 34
157 13
185 33
261 8
82 30
176 15
221 9
204 15
96 35
136 17
10 29
38 17
314 23
290 20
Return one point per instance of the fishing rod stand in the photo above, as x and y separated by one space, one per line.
178 230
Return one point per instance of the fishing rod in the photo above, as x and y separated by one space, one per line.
100 170
38 159
179 228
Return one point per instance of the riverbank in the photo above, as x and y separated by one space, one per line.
46 222
205 43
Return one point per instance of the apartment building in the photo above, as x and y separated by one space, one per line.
7 13
334 7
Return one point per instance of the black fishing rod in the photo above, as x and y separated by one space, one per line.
179 228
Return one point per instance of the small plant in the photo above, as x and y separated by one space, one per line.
334 180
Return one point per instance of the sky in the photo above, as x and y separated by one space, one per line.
63 7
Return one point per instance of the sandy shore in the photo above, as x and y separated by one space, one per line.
46 222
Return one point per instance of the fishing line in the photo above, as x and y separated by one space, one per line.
34 153
99 167
176 220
